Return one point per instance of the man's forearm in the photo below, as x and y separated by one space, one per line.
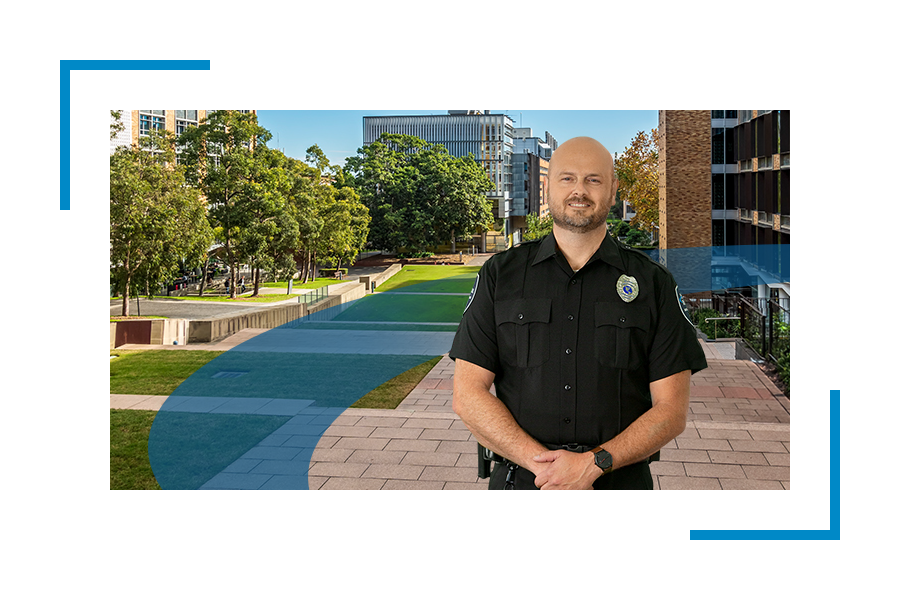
650 432
495 429
490 421
656 427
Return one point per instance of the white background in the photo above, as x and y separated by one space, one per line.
68 532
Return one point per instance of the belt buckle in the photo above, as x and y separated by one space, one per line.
572 447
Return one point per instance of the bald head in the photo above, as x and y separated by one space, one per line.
584 150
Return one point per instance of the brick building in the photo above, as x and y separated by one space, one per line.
724 186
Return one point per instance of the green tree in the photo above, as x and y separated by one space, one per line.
228 161
638 171
156 222
417 194
537 227
345 226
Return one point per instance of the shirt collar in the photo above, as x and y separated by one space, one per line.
609 252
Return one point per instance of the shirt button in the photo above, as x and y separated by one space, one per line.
568 351
574 281
571 317
568 387
567 420
521 316
621 319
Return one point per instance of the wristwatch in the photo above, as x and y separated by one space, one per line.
603 460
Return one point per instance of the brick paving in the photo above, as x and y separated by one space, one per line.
737 438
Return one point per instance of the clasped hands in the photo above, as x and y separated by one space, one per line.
565 470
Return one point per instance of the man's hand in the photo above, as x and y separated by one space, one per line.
566 470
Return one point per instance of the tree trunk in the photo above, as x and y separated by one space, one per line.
203 275
125 312
307 257
256 282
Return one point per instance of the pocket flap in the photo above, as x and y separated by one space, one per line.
525 310
621 315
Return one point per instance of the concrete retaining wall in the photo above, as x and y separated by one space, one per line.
215 329
185 331
368 280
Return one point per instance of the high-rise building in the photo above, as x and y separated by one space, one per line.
487 137
724 183
530 171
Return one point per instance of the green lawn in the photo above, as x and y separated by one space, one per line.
129 465
416 274
311 285
154 372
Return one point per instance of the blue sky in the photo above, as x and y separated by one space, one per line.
339 132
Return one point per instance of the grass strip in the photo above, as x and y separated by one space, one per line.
391 393
154 372
416 274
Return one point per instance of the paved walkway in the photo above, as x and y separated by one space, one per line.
737 437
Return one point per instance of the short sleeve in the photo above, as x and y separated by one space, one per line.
476 337
675 347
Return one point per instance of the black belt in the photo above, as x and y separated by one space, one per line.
579 448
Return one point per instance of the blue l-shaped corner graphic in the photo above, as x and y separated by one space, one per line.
834 530
65 114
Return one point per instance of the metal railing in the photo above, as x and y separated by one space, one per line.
313 296
763 321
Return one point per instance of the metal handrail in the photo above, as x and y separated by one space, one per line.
715 326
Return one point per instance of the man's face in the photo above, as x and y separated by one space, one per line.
582 188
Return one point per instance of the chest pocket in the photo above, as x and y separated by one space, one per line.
620 334
523 331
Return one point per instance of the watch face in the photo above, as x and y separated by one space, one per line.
603 460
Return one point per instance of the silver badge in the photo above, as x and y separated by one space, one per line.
627 288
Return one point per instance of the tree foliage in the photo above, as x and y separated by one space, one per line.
156 222
417 194
537 227
638 171
228 161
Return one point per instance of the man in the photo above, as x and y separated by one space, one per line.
585 341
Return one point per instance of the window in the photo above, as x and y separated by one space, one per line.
151 119
184 119
764 162
718 191
744 116
718 146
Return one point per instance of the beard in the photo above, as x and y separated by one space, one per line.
580 222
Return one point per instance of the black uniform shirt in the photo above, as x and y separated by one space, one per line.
572 360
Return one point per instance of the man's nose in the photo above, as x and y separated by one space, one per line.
578 189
